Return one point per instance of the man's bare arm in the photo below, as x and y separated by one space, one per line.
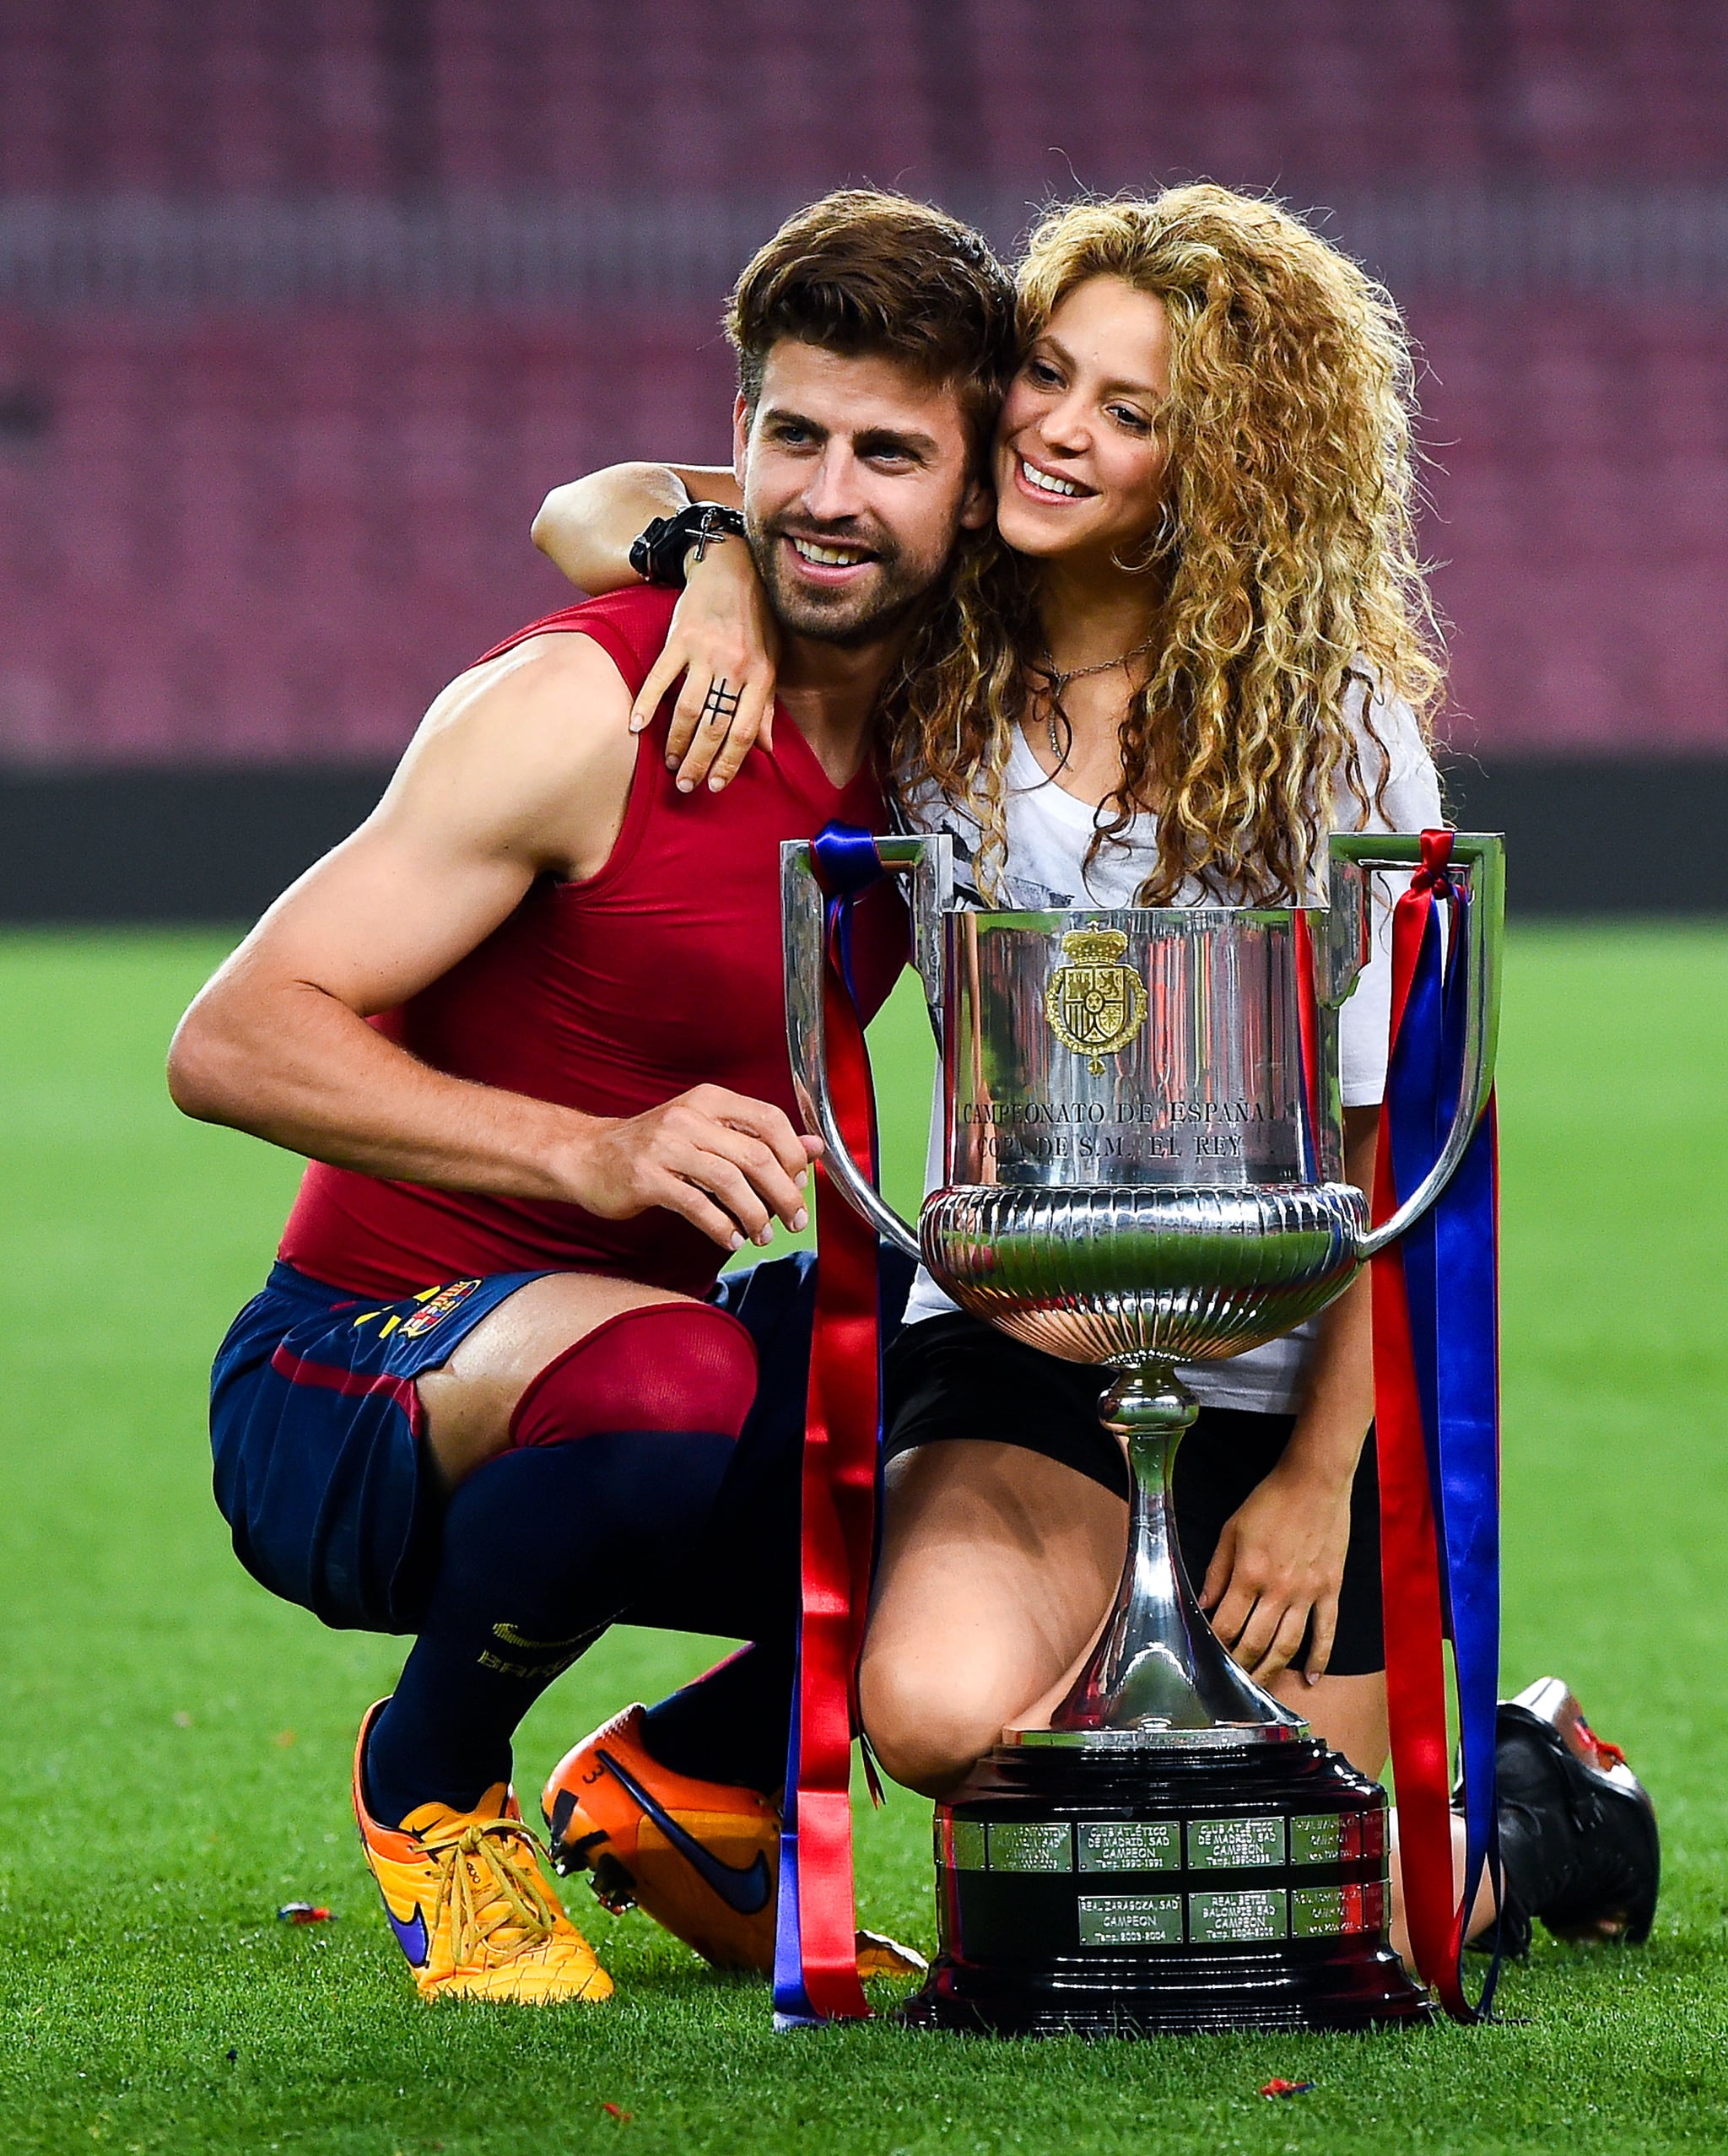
520 768
587 526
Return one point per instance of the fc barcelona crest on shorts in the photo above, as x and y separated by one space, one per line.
437 1307
1095 1002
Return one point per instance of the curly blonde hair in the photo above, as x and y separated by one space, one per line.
1284 557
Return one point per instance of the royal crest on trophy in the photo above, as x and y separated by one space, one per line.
1095 1003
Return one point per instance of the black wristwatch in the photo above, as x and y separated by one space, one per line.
658 555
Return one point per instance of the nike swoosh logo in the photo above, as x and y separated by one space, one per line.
743 1887
411 1936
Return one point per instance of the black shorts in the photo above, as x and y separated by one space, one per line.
956 1377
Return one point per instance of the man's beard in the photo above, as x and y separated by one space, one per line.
851 617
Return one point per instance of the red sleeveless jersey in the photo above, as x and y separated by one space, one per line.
660 973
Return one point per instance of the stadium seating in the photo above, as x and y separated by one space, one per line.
276 538
259 96
1581 458
246 528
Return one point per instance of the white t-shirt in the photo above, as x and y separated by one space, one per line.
1047 871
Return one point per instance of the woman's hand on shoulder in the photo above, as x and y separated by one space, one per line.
724 646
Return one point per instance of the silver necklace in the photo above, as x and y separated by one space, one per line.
1058 682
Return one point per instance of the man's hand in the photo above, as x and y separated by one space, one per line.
1279 1558
728 1165
723 639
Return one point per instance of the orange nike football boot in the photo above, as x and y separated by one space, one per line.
702 1858
469 1904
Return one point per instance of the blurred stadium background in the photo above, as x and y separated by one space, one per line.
304 303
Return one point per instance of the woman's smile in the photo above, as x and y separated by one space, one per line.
1043 485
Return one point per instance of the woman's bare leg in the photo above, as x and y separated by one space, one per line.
1349 1712
998 1568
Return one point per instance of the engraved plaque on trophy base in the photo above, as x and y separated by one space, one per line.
1131 1891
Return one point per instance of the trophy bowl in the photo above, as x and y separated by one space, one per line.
1144 1166
1111 1275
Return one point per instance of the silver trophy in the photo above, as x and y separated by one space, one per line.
1144 1167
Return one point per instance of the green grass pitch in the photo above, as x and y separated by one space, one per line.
176 1744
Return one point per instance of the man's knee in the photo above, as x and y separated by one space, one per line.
927 1726
671 1367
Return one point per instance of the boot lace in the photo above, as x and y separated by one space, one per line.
499 1904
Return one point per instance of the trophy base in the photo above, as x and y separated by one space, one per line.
1145 1890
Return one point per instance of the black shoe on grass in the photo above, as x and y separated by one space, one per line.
1578 1831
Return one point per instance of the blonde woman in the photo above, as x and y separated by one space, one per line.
1198 640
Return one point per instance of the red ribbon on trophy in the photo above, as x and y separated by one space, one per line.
1436 1427
816 1967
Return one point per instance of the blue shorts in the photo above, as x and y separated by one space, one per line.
315 1427
322 1475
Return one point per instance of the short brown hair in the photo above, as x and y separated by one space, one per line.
864 272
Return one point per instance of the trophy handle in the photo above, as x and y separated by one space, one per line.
1480 857
929 864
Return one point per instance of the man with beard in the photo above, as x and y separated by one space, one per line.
527 1023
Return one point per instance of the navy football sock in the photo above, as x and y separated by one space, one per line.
541 1548
619 1450
731 1723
